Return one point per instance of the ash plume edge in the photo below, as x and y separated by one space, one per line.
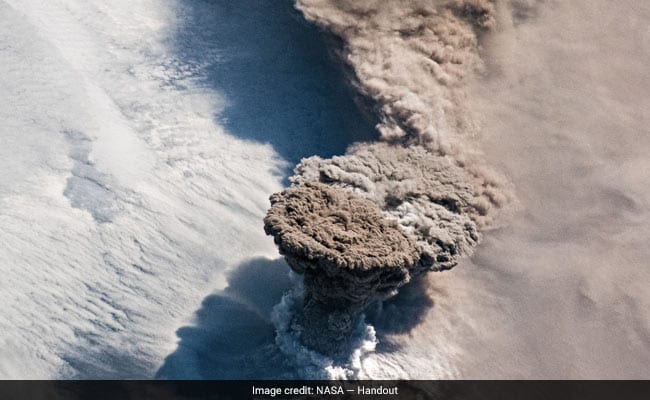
359 226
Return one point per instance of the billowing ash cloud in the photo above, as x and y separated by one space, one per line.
361 225
349 253
427 194
411 58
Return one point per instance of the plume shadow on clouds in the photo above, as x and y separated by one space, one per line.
400 314
279 82
233 337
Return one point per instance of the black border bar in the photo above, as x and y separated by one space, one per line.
329 390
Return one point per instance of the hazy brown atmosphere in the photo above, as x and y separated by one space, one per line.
558 101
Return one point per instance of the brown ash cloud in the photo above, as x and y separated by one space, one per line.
361 225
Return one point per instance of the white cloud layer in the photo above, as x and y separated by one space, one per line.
114 189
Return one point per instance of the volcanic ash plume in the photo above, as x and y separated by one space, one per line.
361 225
347 250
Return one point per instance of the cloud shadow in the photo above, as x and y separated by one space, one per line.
233 337
280 83
400 314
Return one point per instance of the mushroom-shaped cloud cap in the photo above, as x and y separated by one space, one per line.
332 229
349 253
